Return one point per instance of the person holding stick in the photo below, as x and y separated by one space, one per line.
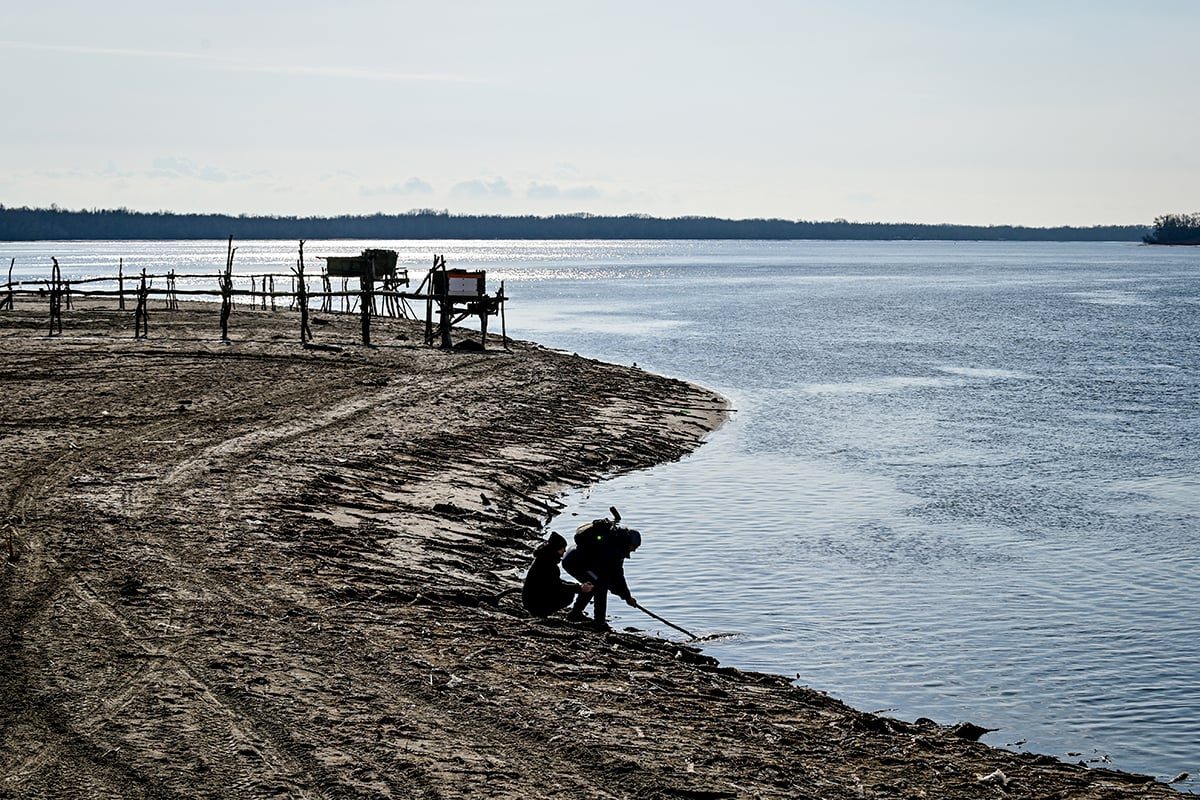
598 557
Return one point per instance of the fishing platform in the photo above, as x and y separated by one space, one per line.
371 285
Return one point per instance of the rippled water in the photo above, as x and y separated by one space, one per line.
963 480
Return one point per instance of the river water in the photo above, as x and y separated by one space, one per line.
962 480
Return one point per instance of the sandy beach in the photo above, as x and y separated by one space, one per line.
257 570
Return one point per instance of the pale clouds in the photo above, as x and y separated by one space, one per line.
478 189
174 167
549 191
234 64
413 187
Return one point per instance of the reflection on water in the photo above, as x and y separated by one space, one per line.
963 480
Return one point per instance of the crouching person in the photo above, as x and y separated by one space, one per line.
545 592
599 559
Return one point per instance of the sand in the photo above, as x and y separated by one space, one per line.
255 570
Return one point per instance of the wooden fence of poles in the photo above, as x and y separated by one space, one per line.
368 301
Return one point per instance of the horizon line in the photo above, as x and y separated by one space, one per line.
419 212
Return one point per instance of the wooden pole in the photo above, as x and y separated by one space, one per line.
141 317
503 327
483 315
446 308
272 293
9 301
429 302
55 298
302 297
226 284
121 285
366 285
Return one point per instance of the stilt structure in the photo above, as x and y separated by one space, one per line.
451 295
458 294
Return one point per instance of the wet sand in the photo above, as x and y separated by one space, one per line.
256 570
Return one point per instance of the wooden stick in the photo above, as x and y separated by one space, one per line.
366 284
642 608
9 301
55 297
141 316
302 298
226 284
503 326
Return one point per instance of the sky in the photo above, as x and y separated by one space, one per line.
1012 112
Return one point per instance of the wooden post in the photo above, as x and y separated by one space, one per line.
302 298
503 327
226 284
366 290
429 312
121 285
9 301
446 308
272 293
141 316
55 298
327 300
483 315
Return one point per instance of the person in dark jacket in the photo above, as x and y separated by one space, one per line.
602 562
545 591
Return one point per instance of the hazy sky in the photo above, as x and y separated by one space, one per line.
1003 111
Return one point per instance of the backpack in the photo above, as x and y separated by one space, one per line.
590 535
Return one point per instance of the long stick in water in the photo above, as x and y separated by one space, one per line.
641 607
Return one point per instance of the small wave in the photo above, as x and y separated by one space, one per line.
875 385
1111 297
983 372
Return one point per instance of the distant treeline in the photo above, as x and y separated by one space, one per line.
30 224
1175 229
